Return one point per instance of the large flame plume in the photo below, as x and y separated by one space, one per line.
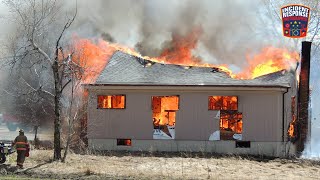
269 60
95 55
180 50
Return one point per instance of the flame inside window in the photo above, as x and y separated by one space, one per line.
231 121
164 116
223 103
164 110
111 102
230 118
230 124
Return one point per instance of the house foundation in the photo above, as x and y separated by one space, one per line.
272 149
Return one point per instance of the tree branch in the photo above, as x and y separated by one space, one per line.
65 85
35 46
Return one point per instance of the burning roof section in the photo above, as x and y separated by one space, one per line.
126 69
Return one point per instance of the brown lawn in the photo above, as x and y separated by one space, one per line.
166 166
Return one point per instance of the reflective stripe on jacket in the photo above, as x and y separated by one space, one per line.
21 142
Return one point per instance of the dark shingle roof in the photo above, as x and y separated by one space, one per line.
126 69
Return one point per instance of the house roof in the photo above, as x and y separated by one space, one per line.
126 69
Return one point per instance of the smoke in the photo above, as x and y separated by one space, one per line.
6 26
229 28
3 12
5 29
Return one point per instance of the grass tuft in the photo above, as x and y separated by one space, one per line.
88 172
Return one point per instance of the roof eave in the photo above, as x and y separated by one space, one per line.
282 88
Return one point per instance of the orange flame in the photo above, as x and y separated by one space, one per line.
181 48
231 121
92 56
291 130
164 108
95 56
269 60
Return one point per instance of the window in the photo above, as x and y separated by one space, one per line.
230 118
223 103
230 124
243 144
111 102
123 142
164 110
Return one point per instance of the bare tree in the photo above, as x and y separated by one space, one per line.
74 113
39 23
273 11
21 98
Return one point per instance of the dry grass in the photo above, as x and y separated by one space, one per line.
144 166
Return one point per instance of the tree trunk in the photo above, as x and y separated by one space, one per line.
57 112
36 140
68 143
70 125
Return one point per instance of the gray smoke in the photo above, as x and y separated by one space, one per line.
4 24
230 28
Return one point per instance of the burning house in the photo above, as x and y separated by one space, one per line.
140 105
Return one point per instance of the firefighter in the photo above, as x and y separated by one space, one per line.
22 145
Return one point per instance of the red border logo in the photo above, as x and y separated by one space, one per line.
295 19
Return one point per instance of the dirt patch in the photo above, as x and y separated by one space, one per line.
156 166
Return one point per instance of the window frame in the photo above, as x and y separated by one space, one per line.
231 113
166 111
222 104
125 101
167 96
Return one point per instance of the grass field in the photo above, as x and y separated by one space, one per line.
160 166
